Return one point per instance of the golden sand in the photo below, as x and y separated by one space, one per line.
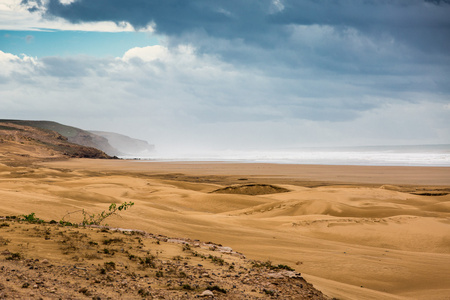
354 232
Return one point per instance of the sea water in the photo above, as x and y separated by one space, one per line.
422 155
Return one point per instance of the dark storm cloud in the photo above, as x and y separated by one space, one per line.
425 24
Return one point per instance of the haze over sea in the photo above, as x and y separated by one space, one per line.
416 155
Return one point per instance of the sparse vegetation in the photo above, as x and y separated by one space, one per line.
144 293
14 256
217 260
111 259
268 265
97 219
113 240
109 266
31 218
147 262
269 292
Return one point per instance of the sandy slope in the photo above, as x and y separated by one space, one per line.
354 232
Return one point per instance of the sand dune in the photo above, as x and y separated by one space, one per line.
354 232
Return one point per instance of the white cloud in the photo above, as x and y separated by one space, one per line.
11 64
147 54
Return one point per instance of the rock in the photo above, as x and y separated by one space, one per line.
225 249
284 274
291 274
275 276
207 293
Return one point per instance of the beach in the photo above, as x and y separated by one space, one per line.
354 232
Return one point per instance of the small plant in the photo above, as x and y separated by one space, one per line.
65 223
268 265
113 209
4 224
109 266
285 267
97 219
110 241
14 256
147 261
187 287
159 274
144 293
31 218
85 291
217 260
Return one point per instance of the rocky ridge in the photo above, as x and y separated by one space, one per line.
22 141
71 262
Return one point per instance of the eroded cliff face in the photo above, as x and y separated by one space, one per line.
72 134
125 144
20 140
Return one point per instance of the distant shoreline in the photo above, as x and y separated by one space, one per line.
245 161
419 155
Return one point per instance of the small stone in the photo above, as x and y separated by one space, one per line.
45 261
207 293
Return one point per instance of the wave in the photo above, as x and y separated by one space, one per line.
427 155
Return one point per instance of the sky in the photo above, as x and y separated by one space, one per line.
229 74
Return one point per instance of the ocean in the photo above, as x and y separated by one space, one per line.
418 155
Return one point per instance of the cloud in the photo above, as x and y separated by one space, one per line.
264 21
394 38
174 96
147 54
301 72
